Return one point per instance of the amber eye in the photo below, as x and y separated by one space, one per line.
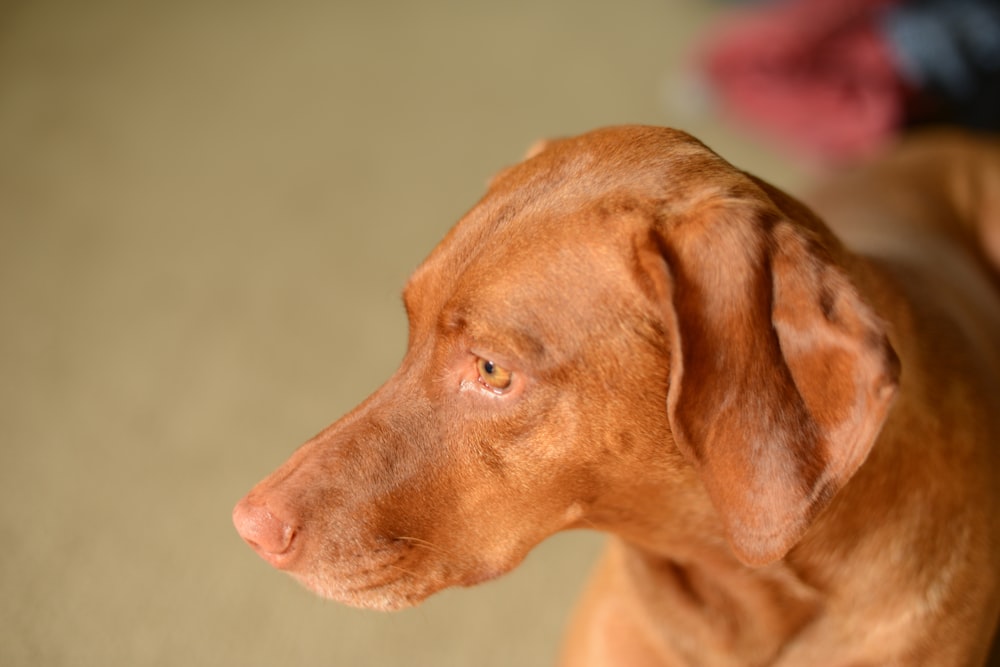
493 376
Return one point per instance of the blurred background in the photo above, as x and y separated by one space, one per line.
207 211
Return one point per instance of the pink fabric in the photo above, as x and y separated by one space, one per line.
815 74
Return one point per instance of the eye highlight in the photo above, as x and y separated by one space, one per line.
493 376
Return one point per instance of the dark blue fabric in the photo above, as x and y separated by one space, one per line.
949 50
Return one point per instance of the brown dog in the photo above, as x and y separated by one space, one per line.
795 447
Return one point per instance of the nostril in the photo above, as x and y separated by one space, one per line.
261 529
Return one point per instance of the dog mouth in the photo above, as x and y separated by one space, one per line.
394 579
383 570
387 586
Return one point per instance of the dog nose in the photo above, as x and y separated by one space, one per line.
269 535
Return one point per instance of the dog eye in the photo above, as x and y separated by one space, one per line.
493 376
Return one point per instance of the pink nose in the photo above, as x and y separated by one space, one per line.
269 535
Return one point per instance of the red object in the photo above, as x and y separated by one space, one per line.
815 74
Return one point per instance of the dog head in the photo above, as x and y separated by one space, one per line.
625 333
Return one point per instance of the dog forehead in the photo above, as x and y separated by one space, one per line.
521 264
560 217
601 172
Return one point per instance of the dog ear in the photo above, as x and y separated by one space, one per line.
781 375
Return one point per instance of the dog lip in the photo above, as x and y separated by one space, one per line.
280 560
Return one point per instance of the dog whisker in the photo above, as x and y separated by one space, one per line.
430 546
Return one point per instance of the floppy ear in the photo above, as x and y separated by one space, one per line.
781 375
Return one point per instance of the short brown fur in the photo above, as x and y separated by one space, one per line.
794 445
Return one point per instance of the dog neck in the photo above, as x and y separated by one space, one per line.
710 603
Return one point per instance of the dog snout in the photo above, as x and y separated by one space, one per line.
271 536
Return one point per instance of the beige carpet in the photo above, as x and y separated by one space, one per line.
207 210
